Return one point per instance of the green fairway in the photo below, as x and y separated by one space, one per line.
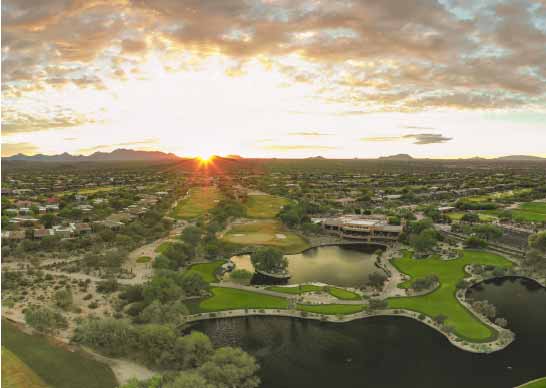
207 270
337 292
295 290
484 217
264 206
331 309
232 299
162 248
55 366
538 383
16 374
198 202
343 294
266 232
443 300
530 212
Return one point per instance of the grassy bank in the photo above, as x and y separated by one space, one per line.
442 301
337 292
331 309
232 299
54 365
207 271
17 374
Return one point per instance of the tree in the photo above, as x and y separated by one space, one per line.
64 299
48 220
44 319
538 241
377 279
487 231
231 367
378 304
475 242
424 241
269 260
191 235
194 349
158 313
470 217
241 276
192 283
189 379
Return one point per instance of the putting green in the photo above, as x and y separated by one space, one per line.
266 233
442 301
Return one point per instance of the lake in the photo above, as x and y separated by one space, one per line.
393 351
340 265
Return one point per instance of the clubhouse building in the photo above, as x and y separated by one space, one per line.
373 228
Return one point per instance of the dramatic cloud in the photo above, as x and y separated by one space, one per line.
14 121
419 138
379 56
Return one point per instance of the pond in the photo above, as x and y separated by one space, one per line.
340 265
393 351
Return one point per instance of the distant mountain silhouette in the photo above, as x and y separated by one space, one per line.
397 157
520 158
116 155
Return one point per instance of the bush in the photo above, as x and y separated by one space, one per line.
44 319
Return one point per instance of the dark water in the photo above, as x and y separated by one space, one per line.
345 265
393 351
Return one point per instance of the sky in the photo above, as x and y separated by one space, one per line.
275 78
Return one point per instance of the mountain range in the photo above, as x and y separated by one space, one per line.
116 155
122 154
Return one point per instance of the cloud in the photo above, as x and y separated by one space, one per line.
373 56
310 134
282 148
9 149
15 121
418 138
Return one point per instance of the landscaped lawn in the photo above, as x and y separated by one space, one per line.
295 290
198 202
456 216
538 383
443 300
331 309
343 294
264 206
266 232
207 270
530 211
162 248
16 374
56 367
232 299
339 293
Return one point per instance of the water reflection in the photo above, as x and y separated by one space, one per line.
345 265
393 351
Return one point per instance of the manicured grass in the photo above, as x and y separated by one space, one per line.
16 374
484 217
198 202
57 367
266 232
143 259
343 294
163 247
207 270
232 299
531 212
295 290
337 292
538 383
331 309
264 206
442 301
